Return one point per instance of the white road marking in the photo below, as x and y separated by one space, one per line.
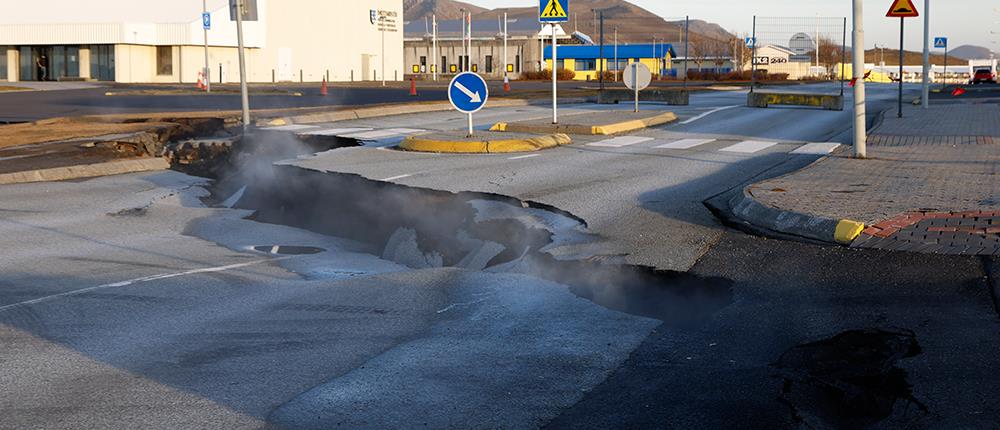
619 142
685 144
335 131
521 157
382 134
139 280
749 146
292 127
818 148
395 178
370 135
709 113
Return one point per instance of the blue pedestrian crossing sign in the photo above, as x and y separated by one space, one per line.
940 42
553 10
206 21
468 92
750 41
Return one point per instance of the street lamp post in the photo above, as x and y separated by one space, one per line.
925 98
858 70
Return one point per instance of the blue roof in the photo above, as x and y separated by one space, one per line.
587 52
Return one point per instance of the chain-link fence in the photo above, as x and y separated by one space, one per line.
782 48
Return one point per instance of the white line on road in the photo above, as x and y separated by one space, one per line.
140 280
619 142
819 148
709 113
685 144
521 157
336 131
396 177
749 146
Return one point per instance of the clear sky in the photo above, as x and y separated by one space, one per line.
964 22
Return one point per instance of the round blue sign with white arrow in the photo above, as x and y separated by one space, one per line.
468 92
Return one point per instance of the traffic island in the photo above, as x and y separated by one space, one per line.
605 123
483 142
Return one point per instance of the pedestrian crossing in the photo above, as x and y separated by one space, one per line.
715 145
364 134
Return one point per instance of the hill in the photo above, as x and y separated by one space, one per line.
414 10
634 24
910 58
971 52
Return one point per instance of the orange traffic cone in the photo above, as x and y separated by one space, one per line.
506 84
958 92
201 81
322 89
413 87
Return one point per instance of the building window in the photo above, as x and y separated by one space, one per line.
3 62
489 64
164 60
444 61
517 64
586 65
102 62
560 64
423 64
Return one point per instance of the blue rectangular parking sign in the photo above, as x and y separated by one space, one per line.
940 42
553 10
206 21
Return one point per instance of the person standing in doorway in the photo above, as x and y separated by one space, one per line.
43 68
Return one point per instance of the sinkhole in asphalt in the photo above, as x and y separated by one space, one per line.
422 228
851 380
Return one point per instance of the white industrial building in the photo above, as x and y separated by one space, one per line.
162 41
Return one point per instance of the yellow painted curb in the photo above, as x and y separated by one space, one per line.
598 130
847 231
632 125
419 144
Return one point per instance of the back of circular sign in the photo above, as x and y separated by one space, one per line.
637 73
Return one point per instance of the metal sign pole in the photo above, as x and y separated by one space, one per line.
900 113
434 36
945 78
687 27
555 86
243 66
753 56
471 131
205 75
635 84
926 91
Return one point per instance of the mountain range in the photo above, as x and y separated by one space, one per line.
633 23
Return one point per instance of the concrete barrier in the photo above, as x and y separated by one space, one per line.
622 95
826 101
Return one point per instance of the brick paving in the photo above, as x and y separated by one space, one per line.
927 171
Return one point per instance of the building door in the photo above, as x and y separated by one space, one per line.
366 67
285 64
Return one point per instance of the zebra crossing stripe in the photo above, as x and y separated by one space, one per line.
749 147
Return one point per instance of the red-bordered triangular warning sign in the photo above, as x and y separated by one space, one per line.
902 9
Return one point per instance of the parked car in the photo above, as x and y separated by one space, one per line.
983 76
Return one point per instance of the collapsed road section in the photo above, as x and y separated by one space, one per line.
424 228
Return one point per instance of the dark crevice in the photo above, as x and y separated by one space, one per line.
992 280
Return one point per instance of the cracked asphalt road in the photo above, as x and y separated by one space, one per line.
126 302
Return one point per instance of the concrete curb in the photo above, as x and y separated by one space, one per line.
419 144
85 171
600 130
823 229
389 110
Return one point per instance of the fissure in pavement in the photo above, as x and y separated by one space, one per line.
424 228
